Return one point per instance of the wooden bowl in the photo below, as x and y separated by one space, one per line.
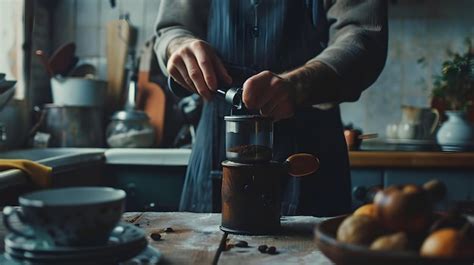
343 253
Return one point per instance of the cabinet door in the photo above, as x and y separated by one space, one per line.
458 182
363 180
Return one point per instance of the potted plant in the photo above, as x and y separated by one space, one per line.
455 87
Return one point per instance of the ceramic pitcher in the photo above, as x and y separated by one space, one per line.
417 123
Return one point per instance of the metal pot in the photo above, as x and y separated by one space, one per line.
73 126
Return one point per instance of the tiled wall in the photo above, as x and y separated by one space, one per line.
418 28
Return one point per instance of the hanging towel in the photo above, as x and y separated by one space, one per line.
38 173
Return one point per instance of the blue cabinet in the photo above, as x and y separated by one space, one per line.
460 182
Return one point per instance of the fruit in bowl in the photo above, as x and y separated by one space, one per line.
401 220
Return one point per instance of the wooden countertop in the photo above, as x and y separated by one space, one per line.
398 159
196 238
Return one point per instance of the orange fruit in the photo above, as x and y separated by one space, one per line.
445 242
368 209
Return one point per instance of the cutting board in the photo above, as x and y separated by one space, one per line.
120 34
151 96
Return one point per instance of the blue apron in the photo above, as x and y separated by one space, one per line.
275 35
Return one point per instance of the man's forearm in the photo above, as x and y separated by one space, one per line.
314 83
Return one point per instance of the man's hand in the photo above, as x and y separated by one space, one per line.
195 66
270 94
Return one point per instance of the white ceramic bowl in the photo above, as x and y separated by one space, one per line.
73 91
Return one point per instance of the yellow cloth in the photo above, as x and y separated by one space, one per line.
39 174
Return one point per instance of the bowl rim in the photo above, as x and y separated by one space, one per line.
31 200
324 237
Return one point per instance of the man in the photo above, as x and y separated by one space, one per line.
308 56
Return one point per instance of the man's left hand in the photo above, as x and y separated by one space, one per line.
270 94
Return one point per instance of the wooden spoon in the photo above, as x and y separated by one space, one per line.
63 59
302 164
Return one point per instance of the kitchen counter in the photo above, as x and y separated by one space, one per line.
196 238
63 161
413 159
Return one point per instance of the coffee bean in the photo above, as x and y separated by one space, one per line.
272 250
262 248
228 247
155 236
241 244
169 230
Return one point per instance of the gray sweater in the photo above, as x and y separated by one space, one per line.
356 48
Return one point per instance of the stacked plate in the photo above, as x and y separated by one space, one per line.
127 245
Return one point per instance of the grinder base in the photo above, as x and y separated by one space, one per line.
251 197
249 232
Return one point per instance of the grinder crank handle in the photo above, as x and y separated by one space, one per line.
232 95
301 164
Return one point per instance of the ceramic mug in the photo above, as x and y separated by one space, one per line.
79 216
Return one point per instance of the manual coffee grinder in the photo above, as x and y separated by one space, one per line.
251 181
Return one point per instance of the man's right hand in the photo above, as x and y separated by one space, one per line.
195 66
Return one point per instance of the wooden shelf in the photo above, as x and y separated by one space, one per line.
381 159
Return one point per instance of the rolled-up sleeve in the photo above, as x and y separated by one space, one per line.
357 47
179 18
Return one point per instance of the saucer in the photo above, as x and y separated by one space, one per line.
148 256
125 242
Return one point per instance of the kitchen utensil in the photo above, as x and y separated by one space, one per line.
251 193
151 97
343 253
87 71
44 60
251 182
354 138
79 216
72 126
120 36
63 59
130 128
73 91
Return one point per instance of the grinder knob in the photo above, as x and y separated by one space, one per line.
232 95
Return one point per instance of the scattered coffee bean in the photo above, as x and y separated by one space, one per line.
155 236
263 248
272 250
228 247
241 244
169 230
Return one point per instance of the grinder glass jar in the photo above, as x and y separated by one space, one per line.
249 138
